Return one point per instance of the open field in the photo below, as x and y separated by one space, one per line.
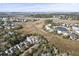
61 43
69 21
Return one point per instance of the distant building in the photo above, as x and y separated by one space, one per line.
75 28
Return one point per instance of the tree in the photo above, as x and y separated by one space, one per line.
1 22
17 53
48 21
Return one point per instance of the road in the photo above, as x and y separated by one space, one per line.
30 50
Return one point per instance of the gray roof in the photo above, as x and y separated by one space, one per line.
61 29
74 35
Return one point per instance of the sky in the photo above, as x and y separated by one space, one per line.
39 7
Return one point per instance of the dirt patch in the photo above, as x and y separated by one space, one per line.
63 44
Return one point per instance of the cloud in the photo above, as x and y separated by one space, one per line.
39 7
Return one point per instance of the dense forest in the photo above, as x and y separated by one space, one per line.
42 15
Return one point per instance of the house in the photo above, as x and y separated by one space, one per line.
18 46
47 28
11 33
36 40
4 19
75 28
1 27
61 30
73 36
11 49
77 31
22 46
33 39
8 52
2 54
26 44
7 27
29 40
14 49
55 50
65 34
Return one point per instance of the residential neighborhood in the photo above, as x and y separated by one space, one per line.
66 30
39 29
37 35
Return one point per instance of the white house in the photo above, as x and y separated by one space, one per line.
47 27
26 44
75 28
55 50
29 40
6 51
32 39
